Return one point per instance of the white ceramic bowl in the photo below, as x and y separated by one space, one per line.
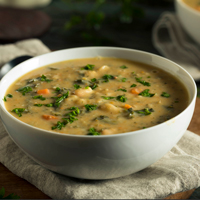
189 18
101 157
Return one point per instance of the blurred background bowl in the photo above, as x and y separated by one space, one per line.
189 18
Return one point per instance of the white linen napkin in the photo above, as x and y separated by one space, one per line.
170 39
177 171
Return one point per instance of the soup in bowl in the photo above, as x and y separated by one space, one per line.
97 112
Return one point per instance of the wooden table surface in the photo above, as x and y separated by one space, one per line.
22 188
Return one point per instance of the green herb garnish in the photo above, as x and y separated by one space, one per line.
94 80
145 111
24 90
123 79
107 98
133 85
124 90
108 77
92 131
88 67
59 125
121 98
60 99
38 105
146 93
39 97
49 105
77 86
19 111
90 107
44 78
123 67
8 95
93 86
165 94
139 80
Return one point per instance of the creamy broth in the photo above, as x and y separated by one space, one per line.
195 4
96 96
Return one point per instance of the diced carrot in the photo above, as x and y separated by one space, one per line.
43 91
136 91
48 117
127 106
198 8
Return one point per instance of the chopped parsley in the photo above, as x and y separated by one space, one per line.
123 79
123 67
60 99
77 86
38 105
92 131
39 97
59 125
88 67
8 95
94 80
90 107
49 105
71 117
139 80
133 85
146 93
19 111
108 77
165 94
107 98
44 78
145 111
124 90
24 90
121 98
93 86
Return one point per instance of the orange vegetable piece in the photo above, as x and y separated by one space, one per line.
136 91
127 106
48 117
198 8
43 91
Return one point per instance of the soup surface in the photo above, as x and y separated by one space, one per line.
96 96
193 4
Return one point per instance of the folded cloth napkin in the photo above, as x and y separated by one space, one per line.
177 171
170 39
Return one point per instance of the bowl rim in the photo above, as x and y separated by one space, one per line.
182 3
193 98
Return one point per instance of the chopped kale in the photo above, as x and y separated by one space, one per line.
77 86
19 111
88 67
92 131
24 90
139 80
123 67
133 85
39 97
165 94
44 78
121 98
38 105
146 93
124 90
90 107
107 98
